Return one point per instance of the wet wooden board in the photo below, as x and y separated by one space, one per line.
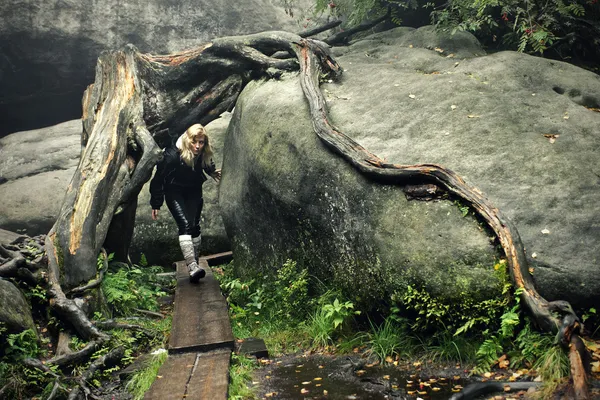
200 317
192 376
219 258
211 376
173 377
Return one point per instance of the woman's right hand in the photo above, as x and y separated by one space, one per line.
155 214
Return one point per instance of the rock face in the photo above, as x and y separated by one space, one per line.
37 166
48 50
519 128
15 313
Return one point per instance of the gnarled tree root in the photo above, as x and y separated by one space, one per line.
549 316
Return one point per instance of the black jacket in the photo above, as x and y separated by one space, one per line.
173 172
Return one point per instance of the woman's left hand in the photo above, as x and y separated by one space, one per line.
216 175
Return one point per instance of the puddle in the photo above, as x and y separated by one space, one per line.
351 377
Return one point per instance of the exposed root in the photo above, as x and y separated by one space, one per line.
314 60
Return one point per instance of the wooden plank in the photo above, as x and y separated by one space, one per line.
218 258
200 316
210 379
175 374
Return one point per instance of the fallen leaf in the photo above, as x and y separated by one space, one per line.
534 255
389 359
545 231
386 377
318 384
436 389
271 394
360 372
551 137
472 116
439 50
453 107
159 376
531 269
325 392
596 366
451 55
412 96
318 378
306 382
304 391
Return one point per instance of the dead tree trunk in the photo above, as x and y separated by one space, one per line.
138 99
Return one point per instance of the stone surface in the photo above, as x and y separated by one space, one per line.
8 237
411 99
48 50
15 313
39 164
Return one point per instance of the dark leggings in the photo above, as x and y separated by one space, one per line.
185 205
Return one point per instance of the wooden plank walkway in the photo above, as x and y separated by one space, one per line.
200 344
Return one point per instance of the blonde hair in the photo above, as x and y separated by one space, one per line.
195 131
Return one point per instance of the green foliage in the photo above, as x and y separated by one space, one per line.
445 347
16 379
338 312
131 287
388 340
328 320
38 293
435 314
487 355
523 25
141 381
278 299
21 345
240 373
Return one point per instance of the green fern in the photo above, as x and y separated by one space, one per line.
487 354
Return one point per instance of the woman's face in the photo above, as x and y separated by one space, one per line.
197 144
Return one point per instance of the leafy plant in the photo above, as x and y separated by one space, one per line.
22 345
327 320
129 287
240 373
141 381
388 340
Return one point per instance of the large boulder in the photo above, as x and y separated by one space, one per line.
522 129
37 166
15 313
48 49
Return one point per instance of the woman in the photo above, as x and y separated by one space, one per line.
178 180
